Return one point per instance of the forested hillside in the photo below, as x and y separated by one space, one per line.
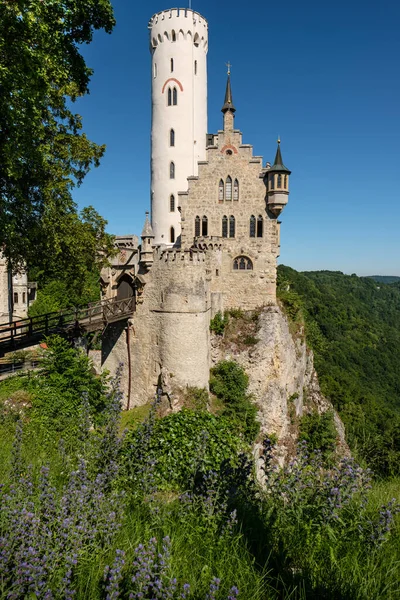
353 325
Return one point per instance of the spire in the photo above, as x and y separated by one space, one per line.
228 105
147 228
278 162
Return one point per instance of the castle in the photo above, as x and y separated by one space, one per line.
213 238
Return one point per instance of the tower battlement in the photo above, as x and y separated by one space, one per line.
180 256
178 24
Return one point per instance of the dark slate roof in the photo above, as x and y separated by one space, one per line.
228 105
278 165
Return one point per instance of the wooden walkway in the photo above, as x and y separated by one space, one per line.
93 317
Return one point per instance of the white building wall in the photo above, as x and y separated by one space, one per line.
188 118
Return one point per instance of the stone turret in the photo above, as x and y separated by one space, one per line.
146 252
228 108
276 180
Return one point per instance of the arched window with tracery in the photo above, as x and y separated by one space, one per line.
197 226
175 97
231 226
172 170
204 226
172 235
221 191
260 226
224 226
228 188
252 226
172 203
242 263
236 190
169 97
172 137
279 184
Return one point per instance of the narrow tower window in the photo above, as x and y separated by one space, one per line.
228 188
279 181
195 67
172 235
155 70
175 97
224 226
204 226
169 97
285 182
172 170
271 182
15 297
221 191
236 190
260 226
172 137
172 203
172 65
197 226
252 226
232 226
173 36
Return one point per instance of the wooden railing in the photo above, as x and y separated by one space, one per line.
90 317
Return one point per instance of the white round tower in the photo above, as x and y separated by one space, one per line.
178 43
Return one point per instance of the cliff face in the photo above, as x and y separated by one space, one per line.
282 378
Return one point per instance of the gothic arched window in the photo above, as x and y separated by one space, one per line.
172 137
242 263
224 226
231 226
236 190
172 203
172 170
172 235
221 191
172 65
260 226
228 188
169 97
175 97
197 226
204 226
279 185
252 226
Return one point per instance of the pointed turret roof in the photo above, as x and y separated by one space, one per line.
147 228
278 165
228 104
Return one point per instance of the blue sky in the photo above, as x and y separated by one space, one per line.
324 76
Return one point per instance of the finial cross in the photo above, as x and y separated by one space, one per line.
228 64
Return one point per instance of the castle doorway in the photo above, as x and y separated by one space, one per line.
126 289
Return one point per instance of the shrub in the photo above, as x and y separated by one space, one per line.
319 431
218 323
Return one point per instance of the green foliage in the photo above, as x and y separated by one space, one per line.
229 382
235 313
43 152
181 444
196 398
353 325
218 323
319 432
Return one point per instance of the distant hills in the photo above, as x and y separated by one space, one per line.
384 278
353 326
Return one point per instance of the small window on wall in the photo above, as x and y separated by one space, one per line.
195 67
221 191
175 97
172 235
231 226
224 226
197 226
23 298
172 138
172 65
285 182
271 182
172 203
252 226
260 226
15 297
204 226
242 263
155 70
172 170
169 97
228 188
236 190
279 185
173 36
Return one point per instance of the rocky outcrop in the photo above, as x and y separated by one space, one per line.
282 378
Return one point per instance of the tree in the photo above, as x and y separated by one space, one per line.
43 152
